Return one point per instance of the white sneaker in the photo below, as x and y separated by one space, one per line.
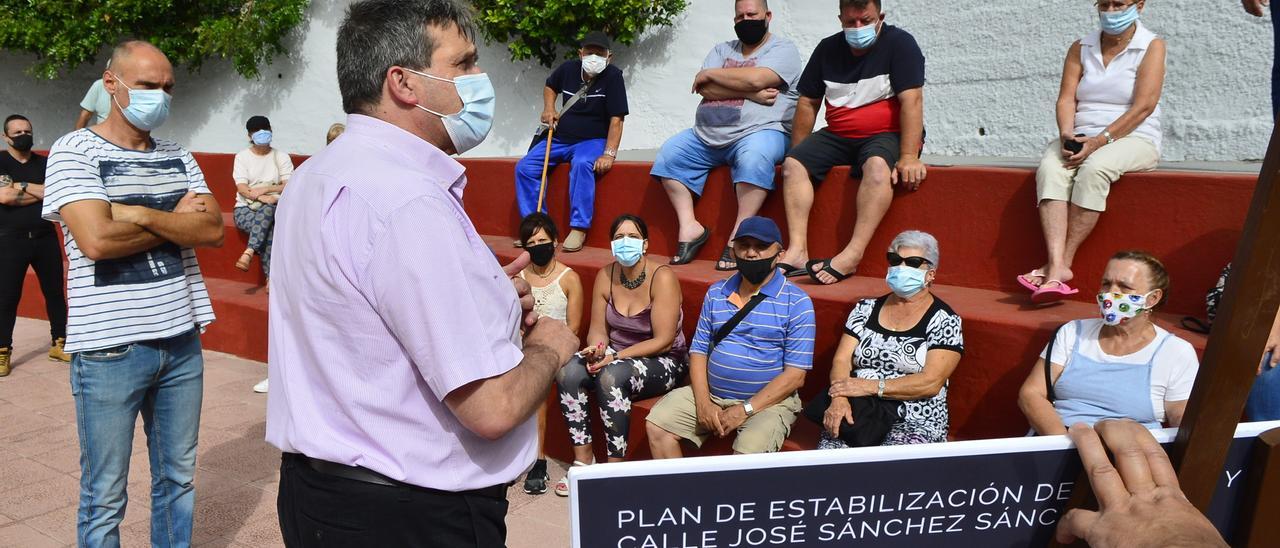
261 387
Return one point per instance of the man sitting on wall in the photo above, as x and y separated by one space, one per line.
750 353
585 133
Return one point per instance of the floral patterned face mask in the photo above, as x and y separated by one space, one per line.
1118 308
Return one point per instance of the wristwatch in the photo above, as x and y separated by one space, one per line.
22 188
611 153
880 389
1107 134
746 406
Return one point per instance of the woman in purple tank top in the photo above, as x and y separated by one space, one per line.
635 346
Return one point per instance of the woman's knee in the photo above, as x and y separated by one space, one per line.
571 375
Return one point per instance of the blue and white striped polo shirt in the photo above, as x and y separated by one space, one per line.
777 333
155 294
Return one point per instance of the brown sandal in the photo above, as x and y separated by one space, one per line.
245 260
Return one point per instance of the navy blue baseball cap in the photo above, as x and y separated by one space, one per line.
760 228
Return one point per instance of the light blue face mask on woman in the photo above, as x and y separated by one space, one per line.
905 281
261 137
861 37
148 108
628 250
469 126
1116 22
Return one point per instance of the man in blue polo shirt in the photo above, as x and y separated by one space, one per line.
586 134
747 382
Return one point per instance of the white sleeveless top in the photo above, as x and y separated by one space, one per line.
1105 93
550 300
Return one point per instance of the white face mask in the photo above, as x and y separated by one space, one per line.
594 64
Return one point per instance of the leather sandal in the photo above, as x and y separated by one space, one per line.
686 251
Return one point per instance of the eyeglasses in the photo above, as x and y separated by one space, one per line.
913 262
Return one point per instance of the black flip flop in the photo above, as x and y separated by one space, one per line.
789 271
826 267
727 257
686 251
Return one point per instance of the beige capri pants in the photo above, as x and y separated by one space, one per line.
1089 184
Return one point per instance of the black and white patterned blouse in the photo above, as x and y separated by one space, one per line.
886 354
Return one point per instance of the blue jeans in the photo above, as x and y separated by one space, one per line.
582 158
1264 398
164 380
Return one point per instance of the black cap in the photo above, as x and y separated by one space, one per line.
596 38
256 123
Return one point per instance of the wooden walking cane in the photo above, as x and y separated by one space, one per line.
546 161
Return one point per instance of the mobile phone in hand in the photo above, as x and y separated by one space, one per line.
1074 146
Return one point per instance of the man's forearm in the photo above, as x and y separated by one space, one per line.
911 119
744 79
82 121
117 239
615 134
802 125
525 387
778 389
698 377
198 229
548 99
36 190
713 91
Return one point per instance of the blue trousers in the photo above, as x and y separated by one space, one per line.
582 158
1264 398
164 381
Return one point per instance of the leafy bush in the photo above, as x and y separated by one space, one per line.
542 29
66 33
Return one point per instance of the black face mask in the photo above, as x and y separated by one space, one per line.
755 272
541 254
22 143
751 31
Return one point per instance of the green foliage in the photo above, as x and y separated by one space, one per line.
66 33
543 29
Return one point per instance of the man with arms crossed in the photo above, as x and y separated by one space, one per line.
132 208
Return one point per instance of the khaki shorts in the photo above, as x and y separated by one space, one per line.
1087 186
763 432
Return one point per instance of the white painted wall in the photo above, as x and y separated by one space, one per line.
993 65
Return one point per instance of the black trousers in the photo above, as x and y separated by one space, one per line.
17 252
318 509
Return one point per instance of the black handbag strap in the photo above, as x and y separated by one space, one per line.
1048 364
733 322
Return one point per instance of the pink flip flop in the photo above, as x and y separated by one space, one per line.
1046 294
1025 280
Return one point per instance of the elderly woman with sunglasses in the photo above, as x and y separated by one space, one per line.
902 346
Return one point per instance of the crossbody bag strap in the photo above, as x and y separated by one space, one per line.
733 322
582 92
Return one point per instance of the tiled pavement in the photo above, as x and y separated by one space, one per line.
237 472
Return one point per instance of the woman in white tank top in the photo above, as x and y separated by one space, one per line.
1108 114
557 293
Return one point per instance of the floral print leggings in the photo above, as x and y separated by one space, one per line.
616 385
258 224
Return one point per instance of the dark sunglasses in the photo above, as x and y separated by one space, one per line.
913 262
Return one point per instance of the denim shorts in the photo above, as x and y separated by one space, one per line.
752 159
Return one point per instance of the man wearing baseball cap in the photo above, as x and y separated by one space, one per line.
750 353
585 132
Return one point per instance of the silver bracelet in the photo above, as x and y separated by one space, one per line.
880 389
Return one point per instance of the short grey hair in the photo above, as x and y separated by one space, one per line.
918 240
379 34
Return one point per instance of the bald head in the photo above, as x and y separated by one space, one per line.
139 65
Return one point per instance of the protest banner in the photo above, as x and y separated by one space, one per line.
1002 492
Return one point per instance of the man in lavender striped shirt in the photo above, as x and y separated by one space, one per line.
401 386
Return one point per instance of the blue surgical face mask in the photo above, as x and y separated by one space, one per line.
1116 22
628 250
261 137
148 108
469 126
905 281
861 37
